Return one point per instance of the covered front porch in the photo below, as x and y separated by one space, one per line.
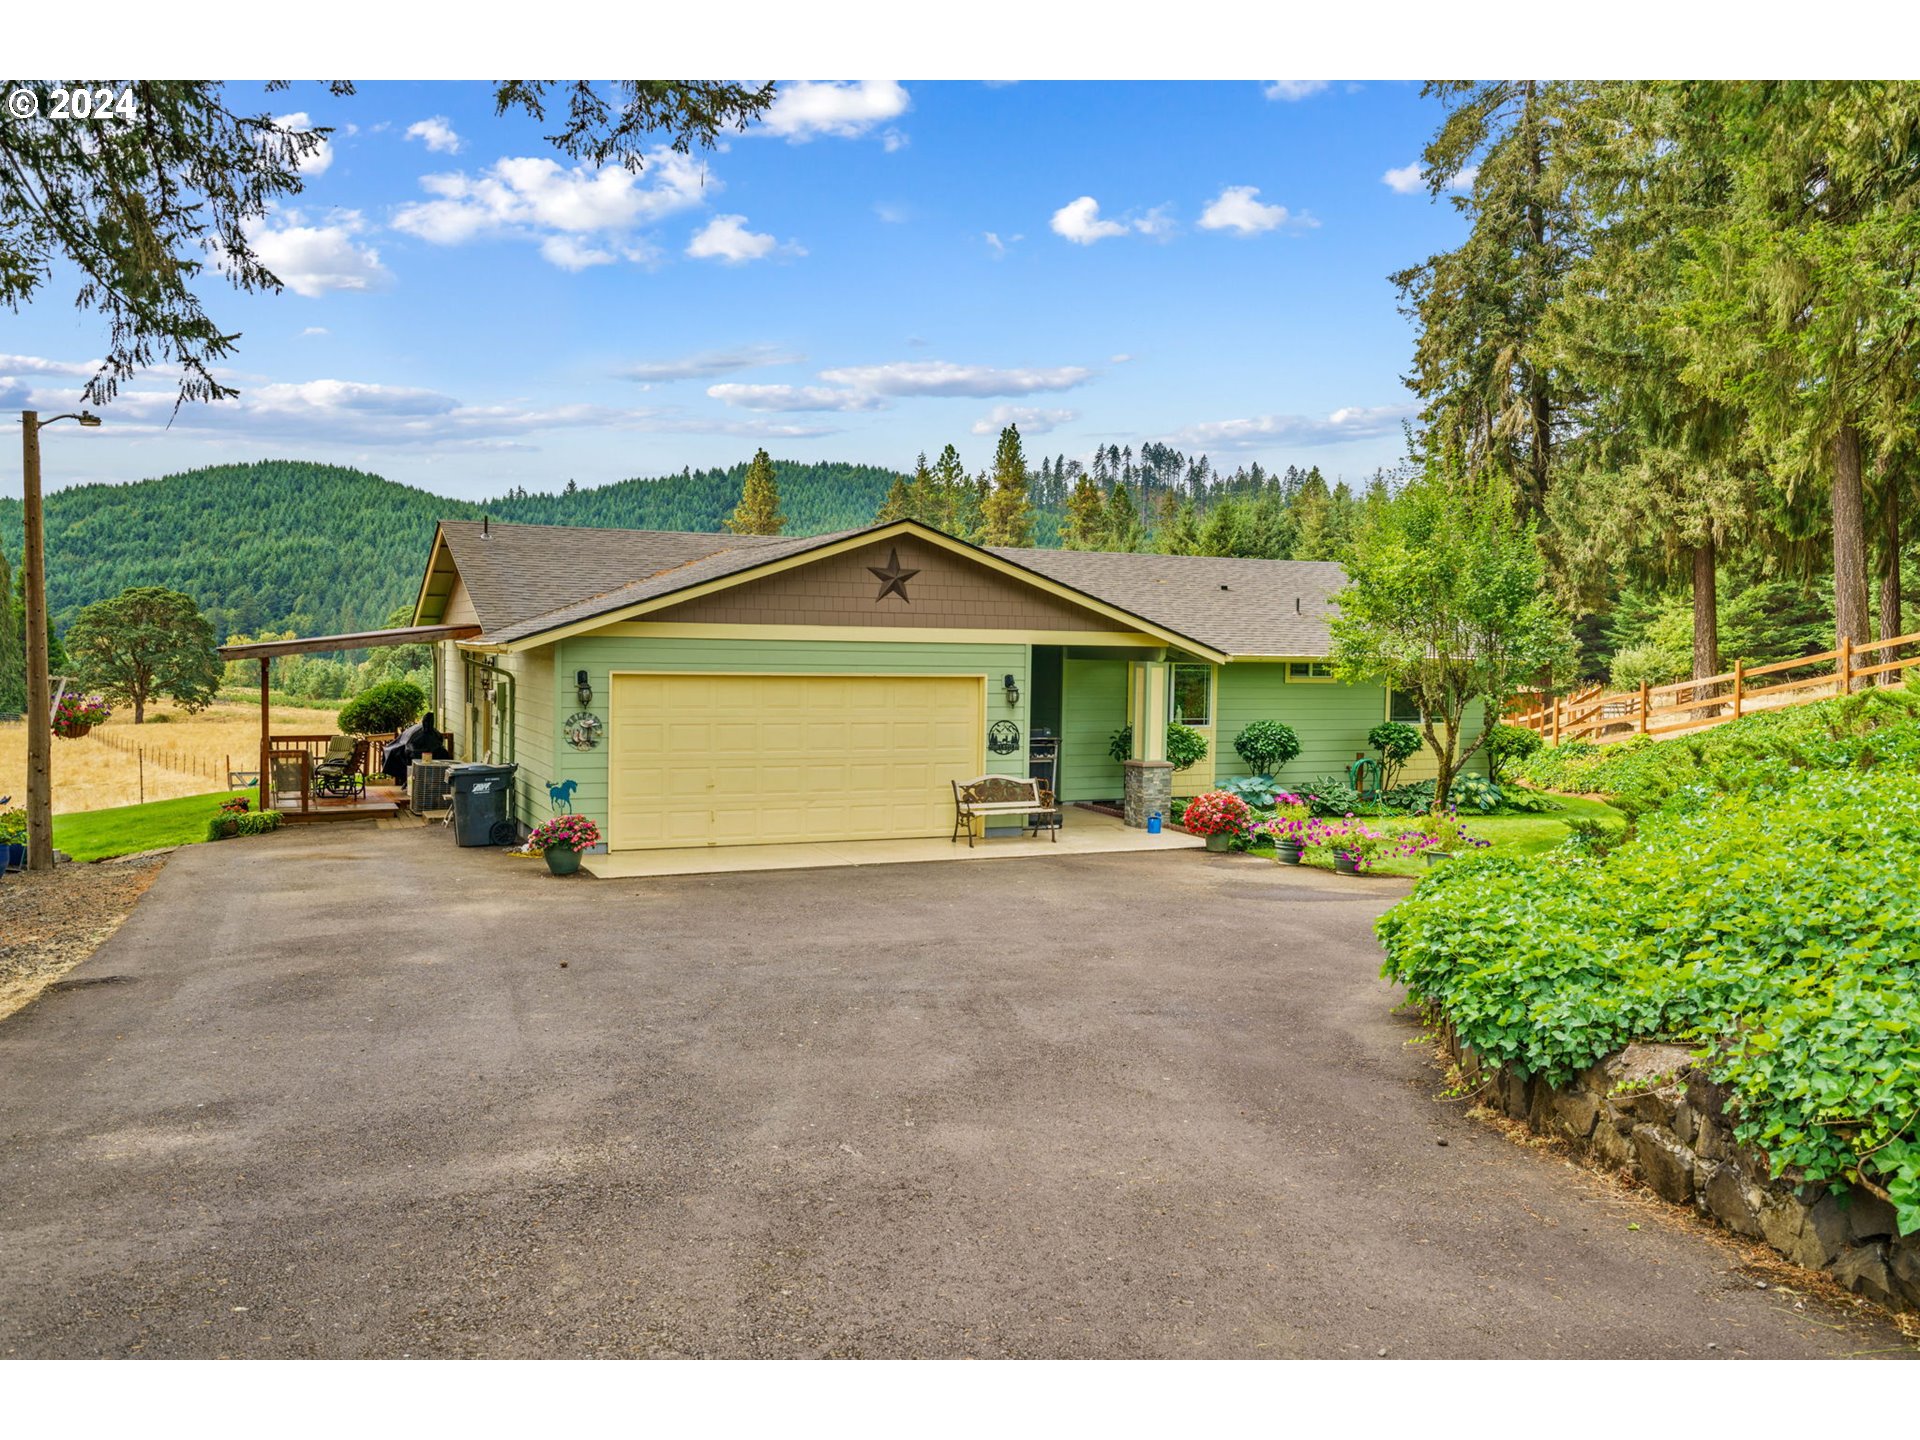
290 778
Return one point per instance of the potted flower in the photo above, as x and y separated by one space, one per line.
13 840
1444 837
1354 846
1288 828
74 715
1218 817
563 840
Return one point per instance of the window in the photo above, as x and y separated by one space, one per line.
1310 670
1403 708
1192 694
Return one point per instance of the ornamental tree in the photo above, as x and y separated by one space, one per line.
144 643
1446 603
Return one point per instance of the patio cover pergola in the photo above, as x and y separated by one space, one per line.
266 651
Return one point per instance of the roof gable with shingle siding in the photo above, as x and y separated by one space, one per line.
1255 608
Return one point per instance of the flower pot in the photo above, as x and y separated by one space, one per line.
73 732
1344 864
16 857
1287 852
1219 844
561 860
1434 857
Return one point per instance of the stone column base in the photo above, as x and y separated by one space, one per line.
1149 789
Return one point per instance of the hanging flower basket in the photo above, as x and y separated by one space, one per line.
75 715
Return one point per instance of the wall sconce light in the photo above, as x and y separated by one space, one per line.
1011 688
582 688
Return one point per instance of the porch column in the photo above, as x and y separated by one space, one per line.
266 710
1148 775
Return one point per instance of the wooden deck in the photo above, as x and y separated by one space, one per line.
379 803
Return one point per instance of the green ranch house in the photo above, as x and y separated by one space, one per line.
711 689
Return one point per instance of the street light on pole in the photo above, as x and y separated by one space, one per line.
39 682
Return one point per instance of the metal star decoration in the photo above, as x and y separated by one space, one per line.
893 580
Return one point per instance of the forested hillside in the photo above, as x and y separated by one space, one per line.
319 549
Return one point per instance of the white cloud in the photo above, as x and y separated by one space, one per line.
315 260
320 159
534 198
354 412
1292 89
941 377
315 330
893 141
803 109
438 135
1080 221
1030 421
726 238
1353 422
1410 180
795 397
1235 208
999 247
1404 179
711 362
891 213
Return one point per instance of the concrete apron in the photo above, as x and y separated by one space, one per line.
1082 832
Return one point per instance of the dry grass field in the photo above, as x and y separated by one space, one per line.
185 755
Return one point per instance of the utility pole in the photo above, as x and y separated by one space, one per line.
39 682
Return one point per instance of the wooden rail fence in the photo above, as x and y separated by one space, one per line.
1600 715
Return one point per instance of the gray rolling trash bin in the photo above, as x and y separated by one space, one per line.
481 794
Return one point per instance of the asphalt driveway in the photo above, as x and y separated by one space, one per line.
347 1092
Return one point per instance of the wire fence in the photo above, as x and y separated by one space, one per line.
216 768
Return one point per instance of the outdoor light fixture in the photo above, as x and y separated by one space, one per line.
582 689
1012 690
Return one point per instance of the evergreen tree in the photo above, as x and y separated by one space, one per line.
13 646
758 512
1086 522
899 502
1123 531
1179 533
1224 532
1006 514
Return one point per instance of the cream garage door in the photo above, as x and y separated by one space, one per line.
773 759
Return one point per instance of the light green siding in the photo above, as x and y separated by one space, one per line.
1332 721
1093 704
599 656
534 729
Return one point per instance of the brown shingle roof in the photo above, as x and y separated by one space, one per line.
520 571
528 579
1244 607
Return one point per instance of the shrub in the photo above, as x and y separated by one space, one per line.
13 827
259 822
1777 928
1262 792
1510 743
1266 745
1397 742
390 705
230 822
1216 813
1186 747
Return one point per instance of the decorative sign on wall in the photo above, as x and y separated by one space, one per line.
893 580
1003 737
582 730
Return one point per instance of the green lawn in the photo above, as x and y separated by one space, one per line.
1516 834
128 829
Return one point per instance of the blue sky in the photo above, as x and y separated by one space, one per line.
883 268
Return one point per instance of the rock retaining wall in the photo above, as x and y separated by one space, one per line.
1649 1111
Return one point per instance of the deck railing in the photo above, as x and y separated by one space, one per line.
1600 715
287 761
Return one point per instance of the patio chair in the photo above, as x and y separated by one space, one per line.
339 776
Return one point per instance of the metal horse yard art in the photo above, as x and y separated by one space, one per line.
562 796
